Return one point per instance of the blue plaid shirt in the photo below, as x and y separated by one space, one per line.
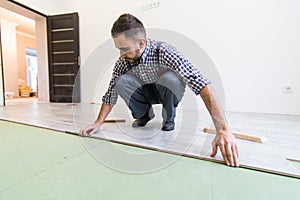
164 55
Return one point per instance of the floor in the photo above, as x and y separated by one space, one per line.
21 100
45 164
279 155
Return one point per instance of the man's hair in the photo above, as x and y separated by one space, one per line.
128 25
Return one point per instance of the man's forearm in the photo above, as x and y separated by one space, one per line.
225 140
214 109
104 111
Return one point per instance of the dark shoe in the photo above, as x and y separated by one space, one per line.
168 126
142 122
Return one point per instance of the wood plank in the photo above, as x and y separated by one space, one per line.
293 160
282 132
114 120
185 154
241 136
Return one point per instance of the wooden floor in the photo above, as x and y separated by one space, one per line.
44 164
188 139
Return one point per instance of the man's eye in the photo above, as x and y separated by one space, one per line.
124 49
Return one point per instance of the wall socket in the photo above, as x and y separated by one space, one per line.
147 5
288 89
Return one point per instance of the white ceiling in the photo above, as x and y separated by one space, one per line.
24 24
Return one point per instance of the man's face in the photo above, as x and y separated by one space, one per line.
129 49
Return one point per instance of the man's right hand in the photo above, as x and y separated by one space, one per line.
93 128
89 130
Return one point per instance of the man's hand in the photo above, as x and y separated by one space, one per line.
93 128
89 130
226 142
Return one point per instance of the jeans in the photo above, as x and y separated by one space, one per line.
140 97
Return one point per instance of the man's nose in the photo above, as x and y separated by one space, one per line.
122 55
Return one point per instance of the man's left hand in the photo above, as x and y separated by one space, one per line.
226 142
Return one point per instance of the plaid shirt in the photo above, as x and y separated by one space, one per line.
156 56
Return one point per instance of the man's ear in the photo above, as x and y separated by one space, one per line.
142 43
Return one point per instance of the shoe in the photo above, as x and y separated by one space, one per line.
168 126
143 121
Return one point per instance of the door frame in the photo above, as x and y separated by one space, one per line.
2 71
41 46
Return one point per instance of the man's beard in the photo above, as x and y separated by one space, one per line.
131 60
134 59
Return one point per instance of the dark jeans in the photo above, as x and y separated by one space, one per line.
139 96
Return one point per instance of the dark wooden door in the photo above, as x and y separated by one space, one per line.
63 56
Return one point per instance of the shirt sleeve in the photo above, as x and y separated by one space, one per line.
191 75
111 96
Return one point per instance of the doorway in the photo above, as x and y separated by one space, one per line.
24 50
32 70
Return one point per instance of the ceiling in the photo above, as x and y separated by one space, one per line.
24 24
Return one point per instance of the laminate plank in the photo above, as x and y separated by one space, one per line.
283 132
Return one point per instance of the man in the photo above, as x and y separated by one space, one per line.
150 72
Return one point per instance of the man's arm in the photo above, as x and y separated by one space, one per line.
224 138
93 128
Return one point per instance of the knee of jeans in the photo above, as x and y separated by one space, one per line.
170 79
128 81
123 80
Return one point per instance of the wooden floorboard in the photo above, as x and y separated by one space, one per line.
188 139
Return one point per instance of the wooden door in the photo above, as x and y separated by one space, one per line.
63 56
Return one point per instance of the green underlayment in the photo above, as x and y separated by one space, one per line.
44 164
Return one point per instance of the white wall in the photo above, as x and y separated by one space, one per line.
254 44
9 52
43 6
